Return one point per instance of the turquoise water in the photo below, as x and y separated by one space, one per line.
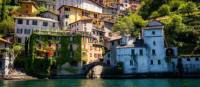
104 83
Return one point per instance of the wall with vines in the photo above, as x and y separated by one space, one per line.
70 51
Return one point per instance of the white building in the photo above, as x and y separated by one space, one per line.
89 5
6 58
86 25
25 25
82 25
186 64
146 55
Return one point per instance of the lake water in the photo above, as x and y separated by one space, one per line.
104 83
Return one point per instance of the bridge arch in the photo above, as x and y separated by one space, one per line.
89 70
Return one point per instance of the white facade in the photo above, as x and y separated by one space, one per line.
82 25
24 26
83 4
190 64
149 55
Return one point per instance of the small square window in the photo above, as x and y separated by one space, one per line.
153 32
141 52
153 52
34 22
19 21
67 9
45 23
27 22
188 59
53 24
151 62
66 16
154 43
197 59
159 62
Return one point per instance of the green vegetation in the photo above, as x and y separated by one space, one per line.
130 24
180 17
68 52
6 21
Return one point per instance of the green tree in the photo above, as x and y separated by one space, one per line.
188 8
175 5
164 10
129 24
6 22
155 14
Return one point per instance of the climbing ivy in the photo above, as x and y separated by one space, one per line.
69 51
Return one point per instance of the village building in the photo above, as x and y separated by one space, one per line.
89 5
24 26
110 55
6 58
74 48
28 8
146 55
185 64
70 14
88 25
49 14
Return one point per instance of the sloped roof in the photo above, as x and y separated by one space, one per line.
154 24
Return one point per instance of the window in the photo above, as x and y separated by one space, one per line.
19 31
118 42
85 13
113 43
19 21
133 52
153 52
67 9
34 22
90 54
141 52
53 24
159 62
188 59
153 32
19 40
151 62
27 22
197 59
131 62
154 43
95 15
66 16
108 55
27 31
66 23
45 23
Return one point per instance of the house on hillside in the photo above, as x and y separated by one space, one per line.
24 26
6 58
50 15
28 8
148 54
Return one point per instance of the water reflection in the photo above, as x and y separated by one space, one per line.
104 83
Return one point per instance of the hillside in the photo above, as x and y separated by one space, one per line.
180 17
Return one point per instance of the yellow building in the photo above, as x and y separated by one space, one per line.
28 8
70 14
92 50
